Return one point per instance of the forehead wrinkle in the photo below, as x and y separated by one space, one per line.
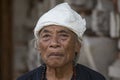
45 31
57 30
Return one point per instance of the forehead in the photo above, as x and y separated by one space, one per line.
52 28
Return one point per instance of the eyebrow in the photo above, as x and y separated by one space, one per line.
63 31
45 31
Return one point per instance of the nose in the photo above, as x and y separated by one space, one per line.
54 42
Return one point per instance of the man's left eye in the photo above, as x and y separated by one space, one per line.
64 35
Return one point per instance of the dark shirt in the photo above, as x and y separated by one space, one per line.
82 73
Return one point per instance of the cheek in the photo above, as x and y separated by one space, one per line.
42 49
70 50
42 46
70 45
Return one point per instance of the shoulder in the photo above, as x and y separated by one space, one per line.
31 75
86 72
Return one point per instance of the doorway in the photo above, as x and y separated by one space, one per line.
6 48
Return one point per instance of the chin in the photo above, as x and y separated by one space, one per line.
55 65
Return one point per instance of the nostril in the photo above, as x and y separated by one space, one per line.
54 44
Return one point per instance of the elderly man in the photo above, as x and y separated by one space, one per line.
58 35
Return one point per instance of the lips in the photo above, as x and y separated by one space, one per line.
55 54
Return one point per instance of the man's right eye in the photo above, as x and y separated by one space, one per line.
45 37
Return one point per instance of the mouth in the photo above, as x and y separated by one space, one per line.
55 54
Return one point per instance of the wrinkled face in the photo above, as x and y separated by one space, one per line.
57 45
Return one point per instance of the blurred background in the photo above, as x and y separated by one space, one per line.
101 44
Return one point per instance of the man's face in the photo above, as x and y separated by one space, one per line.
57 45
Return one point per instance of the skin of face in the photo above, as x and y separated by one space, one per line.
57 46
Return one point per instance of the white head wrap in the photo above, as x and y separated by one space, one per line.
62 15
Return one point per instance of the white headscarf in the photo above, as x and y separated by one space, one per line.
62 15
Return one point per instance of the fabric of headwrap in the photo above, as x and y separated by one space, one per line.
62 15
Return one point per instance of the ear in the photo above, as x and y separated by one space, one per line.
77 46
37 45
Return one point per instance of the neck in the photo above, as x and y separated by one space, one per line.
59 73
